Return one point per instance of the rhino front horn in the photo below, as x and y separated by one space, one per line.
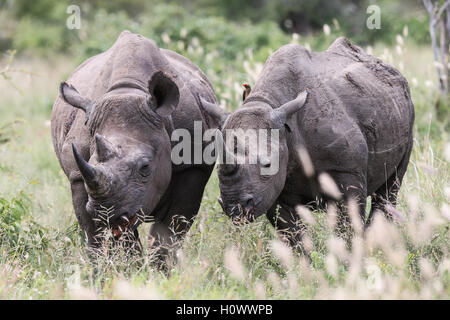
87 171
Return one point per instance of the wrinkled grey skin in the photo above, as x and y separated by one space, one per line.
356 124
111 127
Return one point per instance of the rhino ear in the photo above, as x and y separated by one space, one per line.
284 112
213 110
73 97
164 92
70 95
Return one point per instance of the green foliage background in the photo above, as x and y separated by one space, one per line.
41 245
41 24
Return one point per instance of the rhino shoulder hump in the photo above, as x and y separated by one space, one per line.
291 50
128 41
342 44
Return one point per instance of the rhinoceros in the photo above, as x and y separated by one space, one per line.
111 128
344 111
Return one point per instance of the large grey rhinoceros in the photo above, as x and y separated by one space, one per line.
111 129
351 112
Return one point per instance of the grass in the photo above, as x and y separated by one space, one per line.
42 252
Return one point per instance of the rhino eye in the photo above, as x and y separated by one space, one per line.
288 129
144 167
229 169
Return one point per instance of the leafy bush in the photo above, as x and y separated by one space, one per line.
7 132
19 231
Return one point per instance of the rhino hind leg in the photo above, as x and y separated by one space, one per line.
353 186
388 192
174 219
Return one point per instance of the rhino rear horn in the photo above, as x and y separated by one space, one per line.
87 171
105 149
164 92
71 95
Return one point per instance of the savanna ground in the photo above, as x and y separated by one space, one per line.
42 249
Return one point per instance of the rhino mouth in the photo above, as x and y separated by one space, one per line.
238 214
123 224
244 217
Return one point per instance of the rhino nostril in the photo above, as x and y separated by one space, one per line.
221 203
248 203
265 162
120 218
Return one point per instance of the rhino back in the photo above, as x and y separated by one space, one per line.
374 93
130 61
356 105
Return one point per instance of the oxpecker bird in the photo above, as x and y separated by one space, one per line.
246 91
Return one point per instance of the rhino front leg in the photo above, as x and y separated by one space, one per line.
173 220
79 199
288 224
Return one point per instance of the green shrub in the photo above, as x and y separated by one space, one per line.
19 232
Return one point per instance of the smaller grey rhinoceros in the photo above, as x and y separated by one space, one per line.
111 129
345 112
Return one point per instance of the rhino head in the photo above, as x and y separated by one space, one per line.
129 168
248 190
